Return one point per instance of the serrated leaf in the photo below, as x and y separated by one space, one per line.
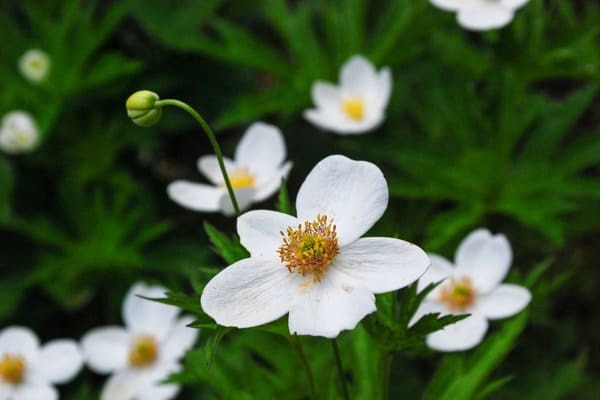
229 249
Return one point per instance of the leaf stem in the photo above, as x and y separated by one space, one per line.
295 340
340 368
213 142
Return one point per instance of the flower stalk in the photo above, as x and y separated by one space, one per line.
295 340
340 368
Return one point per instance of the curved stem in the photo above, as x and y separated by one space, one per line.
340 368
213 142
309 376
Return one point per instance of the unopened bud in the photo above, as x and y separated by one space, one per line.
142 109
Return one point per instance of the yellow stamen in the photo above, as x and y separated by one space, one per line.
458 293
144 351
354 108
310 248
12 368
241 178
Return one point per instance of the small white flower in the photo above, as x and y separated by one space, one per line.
358 104
145 352
471 286
28 371
18 133
34 65
255 174
316 266
481 15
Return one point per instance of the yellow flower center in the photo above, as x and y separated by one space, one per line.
310 248
241 178
354 108
12 368
458 294
144 351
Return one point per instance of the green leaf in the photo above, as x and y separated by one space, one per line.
229 249
6 189
212 344
283 200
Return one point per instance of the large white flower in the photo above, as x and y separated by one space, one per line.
358 104
471 286
255 173
28 371
481 15
316 266
18 133
145 352
34 65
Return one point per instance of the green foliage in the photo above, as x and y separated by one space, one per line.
228 248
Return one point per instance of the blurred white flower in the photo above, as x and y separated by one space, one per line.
358 104
255 173
34 65
471 286
316 266
18 133
481 15
145 352
28 371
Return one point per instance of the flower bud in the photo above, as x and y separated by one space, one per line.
142 109
34 65
18 133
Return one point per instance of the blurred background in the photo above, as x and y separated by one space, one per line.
499 129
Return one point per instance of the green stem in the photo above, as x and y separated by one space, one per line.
386 365
340 368
213 142
309 376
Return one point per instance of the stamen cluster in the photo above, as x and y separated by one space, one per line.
241 178
144 351
12 368
458 294
310 248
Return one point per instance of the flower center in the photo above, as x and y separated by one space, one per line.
241 178
143 351
310 248
12 368
458 294
354 108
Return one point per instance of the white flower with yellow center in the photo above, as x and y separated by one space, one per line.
28 371
34 65
316 266
481 15
358 104
145 352
18 133
255 173
471 286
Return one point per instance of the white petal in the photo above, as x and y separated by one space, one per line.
513 4
504 301
337 123
209 167
60 360
484 16
250 292
147 316
484 258
452 5
106 349
384 89
381 264
19 340
125 385
180 339
243 196
439 270
195 196
159 392
272 183
326 95
358 76
327 307
462 335
259 232
261 149
352 194
35 392
6 390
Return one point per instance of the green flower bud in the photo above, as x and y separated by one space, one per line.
141 108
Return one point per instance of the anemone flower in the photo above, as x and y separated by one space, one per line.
18 133
481 15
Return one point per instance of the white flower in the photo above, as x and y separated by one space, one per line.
471 286
255 174
18 133
28 371
481 15
316 266
358 104
34 65
145 352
